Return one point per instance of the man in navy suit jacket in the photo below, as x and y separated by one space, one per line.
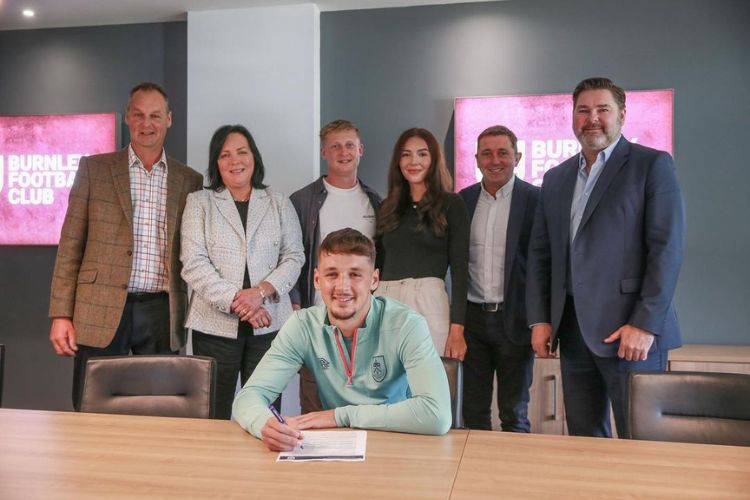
604 257
497 334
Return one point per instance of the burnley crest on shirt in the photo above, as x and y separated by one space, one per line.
378 368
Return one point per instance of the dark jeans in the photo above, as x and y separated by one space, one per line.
489 353
233 357
591 382
143 329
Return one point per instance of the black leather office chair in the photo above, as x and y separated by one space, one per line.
690 407
167 386
455 371
2 369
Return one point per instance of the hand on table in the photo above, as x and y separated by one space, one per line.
280 437
325 419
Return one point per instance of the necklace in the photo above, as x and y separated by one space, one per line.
242 200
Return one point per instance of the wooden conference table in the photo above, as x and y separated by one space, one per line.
77 455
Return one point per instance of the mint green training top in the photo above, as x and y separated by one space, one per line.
398 384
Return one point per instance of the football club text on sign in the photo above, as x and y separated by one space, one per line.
38 161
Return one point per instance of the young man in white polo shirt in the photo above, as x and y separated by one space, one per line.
334 201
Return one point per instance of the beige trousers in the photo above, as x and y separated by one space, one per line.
428 297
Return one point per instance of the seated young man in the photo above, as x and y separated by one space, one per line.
373 358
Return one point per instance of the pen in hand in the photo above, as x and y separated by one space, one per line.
281 420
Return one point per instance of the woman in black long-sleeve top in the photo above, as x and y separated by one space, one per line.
422 230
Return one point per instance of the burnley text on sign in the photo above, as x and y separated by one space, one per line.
39 158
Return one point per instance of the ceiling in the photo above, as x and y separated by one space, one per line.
67 13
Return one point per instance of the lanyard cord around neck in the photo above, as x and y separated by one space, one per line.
348 369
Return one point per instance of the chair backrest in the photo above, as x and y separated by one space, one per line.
158 385
690 407
2 368
455 371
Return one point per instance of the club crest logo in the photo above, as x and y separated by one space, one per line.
378 368
324 363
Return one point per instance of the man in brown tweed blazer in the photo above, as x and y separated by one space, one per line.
116 287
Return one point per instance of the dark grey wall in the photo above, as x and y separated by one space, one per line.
389 69
77 70
91 70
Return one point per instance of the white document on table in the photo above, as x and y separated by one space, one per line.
347 446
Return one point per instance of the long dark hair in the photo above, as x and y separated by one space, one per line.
431 208
214 150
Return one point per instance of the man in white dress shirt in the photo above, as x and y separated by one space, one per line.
497 336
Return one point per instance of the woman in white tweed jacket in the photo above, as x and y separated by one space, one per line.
241 254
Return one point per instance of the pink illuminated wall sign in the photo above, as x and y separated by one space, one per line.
38 162
543 126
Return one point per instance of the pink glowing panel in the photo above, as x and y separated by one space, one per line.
542 124
38 162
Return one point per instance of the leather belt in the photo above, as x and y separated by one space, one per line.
146 296
490 307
